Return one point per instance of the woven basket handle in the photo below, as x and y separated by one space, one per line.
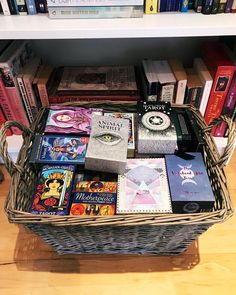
9 163
231 138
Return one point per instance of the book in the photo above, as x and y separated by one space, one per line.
215 6
41 6
228 6
184 5
94 198
222 6
21 5
11 62
59 149
3 120
189 183
131 138
12 7
194 88
53 190
150 6
41 83
149 80
31 7
108 144
107 80
166 80
156 132
5 7
181 78
93 12
206 80
207 6
198 5
221 69
144 187
63 119
82 3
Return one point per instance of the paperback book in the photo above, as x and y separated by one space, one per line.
144 187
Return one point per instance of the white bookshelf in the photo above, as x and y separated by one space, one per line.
150 26
91 41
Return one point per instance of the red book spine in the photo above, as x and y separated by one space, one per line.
6 106
221 83
3 120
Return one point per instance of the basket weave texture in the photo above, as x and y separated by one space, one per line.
162 234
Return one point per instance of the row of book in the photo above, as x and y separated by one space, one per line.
199 6
112 8
86 171
26 84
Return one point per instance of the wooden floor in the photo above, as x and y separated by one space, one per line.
29 267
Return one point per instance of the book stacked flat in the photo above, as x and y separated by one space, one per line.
95 8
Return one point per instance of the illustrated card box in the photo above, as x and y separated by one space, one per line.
189 183
131 139
68 119
58 149
53 190
94 198
108 143
144 187
156 131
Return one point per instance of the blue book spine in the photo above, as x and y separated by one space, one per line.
163 5
184 6
228 6
31 7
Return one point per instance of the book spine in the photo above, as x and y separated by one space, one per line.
25 99
215 6
13 7
207 6
6 106
222 5
43 94
217 97
233 9
96 12
205 97
5 7
230 100
31 7
228 6
3 120
181 87
151 5
21 7
184 5
198 6
41 6
30 95
167 92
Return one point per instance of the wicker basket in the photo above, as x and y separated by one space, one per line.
162 234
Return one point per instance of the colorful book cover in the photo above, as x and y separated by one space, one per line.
130 118
94 198
70 119
144 187
189 183
53 190
59 149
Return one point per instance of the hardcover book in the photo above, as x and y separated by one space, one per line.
131 139
189 183
108 143
156 131
53 190
193 94
144 187
94 198
59 149
68 119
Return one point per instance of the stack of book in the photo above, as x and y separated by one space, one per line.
95 8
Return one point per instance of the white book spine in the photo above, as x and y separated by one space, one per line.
83 3
5 7
181 87
205 96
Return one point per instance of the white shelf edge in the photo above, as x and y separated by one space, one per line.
171 24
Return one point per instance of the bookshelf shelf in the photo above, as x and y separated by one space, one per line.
170 24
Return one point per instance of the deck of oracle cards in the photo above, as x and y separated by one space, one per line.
94 198
189 183
156 131
53 190
108 143
58 149
68 119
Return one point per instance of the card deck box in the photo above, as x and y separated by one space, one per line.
108 143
